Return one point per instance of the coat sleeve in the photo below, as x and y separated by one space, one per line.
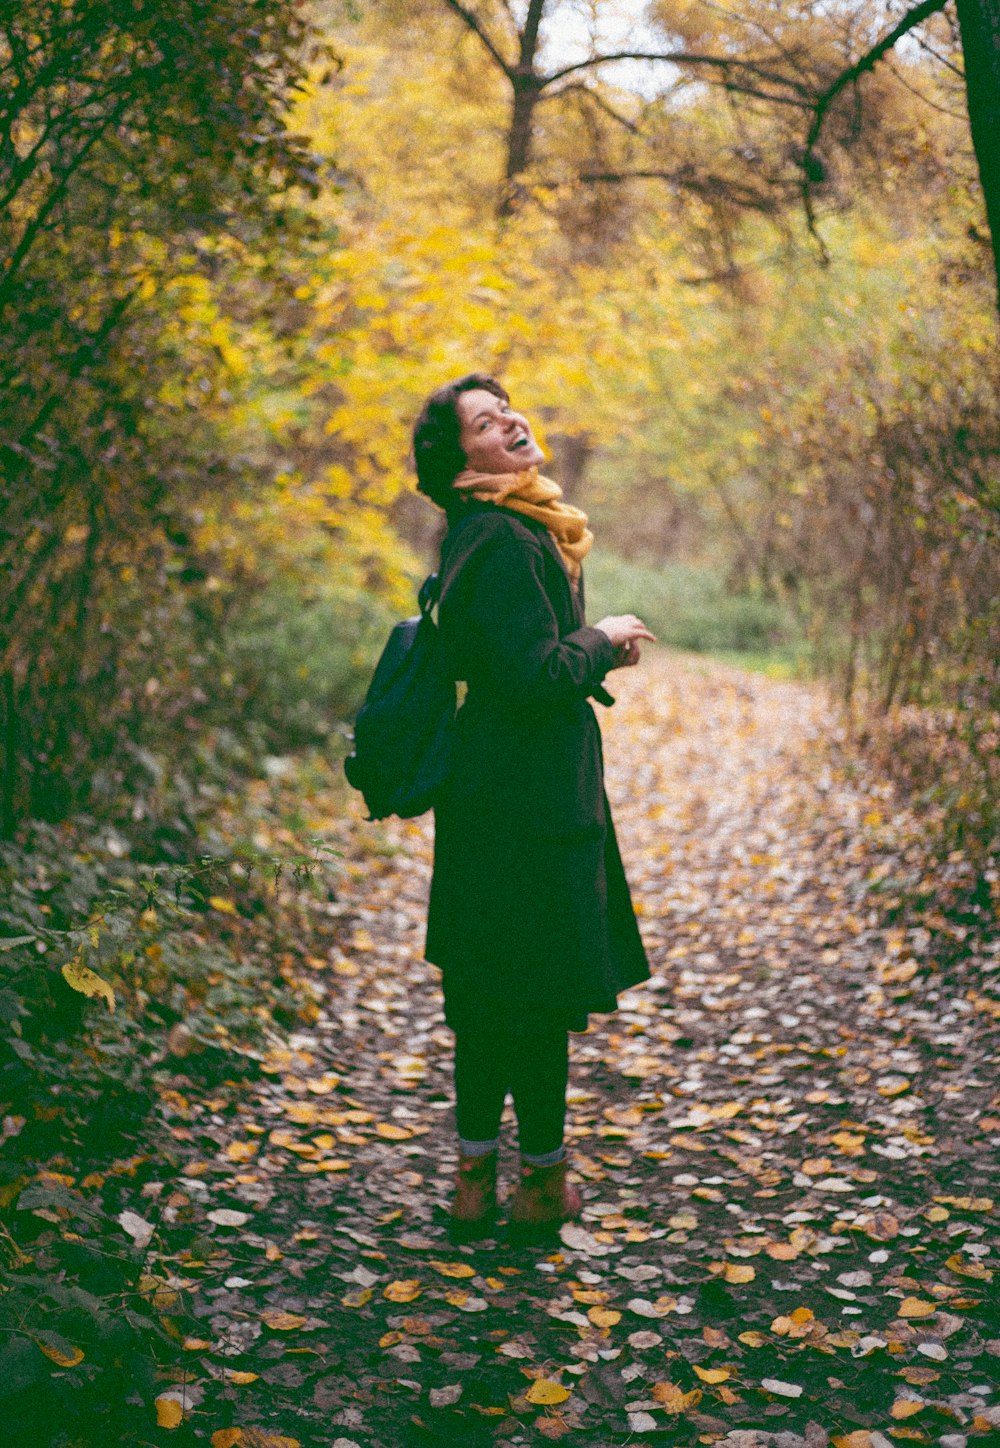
502 626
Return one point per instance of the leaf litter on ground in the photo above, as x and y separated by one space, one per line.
786 1140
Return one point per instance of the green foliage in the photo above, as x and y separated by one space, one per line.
78 1089
301 657
133 137
688 607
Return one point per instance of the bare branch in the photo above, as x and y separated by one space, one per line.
529 35
475 25
847 77
681 57
598 100
704 185
868 61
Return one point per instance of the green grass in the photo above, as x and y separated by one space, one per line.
689 607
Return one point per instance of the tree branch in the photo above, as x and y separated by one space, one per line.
868 61
529 35
680 57
474 24
598 100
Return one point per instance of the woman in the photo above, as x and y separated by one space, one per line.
530 918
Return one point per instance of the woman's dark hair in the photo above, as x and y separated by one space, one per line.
437 451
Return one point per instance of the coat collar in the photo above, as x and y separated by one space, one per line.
475 505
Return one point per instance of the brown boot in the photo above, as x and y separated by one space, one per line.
474 1204
544 1197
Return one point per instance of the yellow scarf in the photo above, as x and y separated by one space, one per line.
539 498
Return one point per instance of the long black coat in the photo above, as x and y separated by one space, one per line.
530 918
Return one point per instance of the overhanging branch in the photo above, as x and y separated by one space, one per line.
847 77
475 25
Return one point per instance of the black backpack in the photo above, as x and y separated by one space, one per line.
404 730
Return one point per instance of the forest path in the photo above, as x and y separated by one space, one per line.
784 1142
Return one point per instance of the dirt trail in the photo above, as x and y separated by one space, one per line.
785 1142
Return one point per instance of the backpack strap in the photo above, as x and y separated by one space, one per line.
430 592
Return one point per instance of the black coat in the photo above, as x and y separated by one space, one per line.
530 918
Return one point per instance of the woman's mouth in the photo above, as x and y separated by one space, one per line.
518 442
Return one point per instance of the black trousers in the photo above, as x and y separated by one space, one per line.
533 1068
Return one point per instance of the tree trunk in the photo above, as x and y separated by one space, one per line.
519 137
979 22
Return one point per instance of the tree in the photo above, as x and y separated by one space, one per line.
131 134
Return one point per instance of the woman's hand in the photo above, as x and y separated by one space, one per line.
625 631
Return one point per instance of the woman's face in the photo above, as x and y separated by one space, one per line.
494 438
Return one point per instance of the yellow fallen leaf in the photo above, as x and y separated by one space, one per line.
196 1344
235 1375
250 1438
753 1338
360 1298
389 1132
937 1214
968 1204
906 1408
81 978
283 1321
604 1316
58 1355
404 1291
169 1413
859 1439
673 1399
916 1307
965 1268
220 903
242 1150
453 1269
802 1314
457 1296
781 1251
545 1393
683 1221
817 1165
851 1143
739 1272
712 1375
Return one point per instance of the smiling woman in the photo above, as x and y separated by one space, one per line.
530 918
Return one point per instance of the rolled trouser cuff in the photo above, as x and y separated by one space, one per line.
477 1148
544 1158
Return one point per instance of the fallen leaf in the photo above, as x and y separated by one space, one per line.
916 1307
906 1407
712 1375
739 1272
242 1150
169 1413
781 1389
137 1228
453 1269
283 1321
673 1399
404 1291
445 1397
965 1268
545 1393
604 1316
227 1217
